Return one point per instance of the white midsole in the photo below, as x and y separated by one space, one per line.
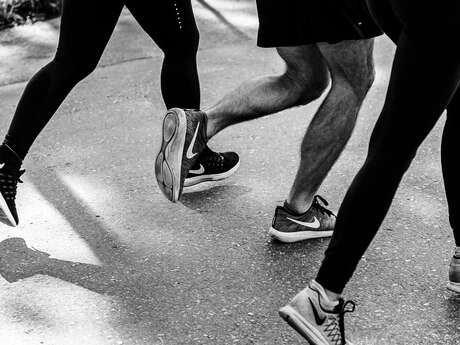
6 211
455 287
191 181
175 148
298 236
313 334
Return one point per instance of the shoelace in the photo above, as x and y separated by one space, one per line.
335 329
214 159
9 183
316 204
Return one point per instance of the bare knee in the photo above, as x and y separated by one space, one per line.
303 85
306 76
355 88
351 65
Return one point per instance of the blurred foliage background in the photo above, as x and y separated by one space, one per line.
15 12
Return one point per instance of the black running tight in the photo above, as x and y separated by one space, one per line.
86 27
424 82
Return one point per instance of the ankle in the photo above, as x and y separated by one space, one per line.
212 128
296 207
332 296
329 298
216 121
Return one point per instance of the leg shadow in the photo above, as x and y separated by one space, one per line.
200 199
18 261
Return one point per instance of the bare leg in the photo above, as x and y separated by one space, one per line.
304 80
352 72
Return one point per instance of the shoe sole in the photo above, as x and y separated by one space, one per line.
454 287
168 163
302 326
192 181
5 213
290 237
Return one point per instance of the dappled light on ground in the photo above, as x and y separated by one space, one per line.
234 14
46 227
43 33
23 44
127 266
25 49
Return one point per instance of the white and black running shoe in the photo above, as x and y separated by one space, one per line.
317 222
9 179
183 139
212 166
316 323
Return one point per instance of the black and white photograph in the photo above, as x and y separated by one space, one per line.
224 172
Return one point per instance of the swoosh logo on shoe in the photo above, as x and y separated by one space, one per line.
190 153
198 171
314 225
318 319
2 165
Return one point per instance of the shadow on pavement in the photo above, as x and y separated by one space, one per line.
223 19
137 285
17 261
201 198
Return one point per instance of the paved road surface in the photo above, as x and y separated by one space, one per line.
132 268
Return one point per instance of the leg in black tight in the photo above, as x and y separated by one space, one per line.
450 166
171 24
404 123
387 19
79 50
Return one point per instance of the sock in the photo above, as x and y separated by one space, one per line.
324 300
9 157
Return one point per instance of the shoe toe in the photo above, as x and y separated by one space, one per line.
231 157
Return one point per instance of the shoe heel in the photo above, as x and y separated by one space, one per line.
169 160
286 314
170 124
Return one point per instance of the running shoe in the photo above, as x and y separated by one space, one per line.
313 321
183 139
454 272
18 261
9 179
317 222
212 166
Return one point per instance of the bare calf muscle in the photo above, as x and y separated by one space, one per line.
351 67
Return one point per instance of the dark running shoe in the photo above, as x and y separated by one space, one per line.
9 179
314 322
183 139
212 166
454 272
317 222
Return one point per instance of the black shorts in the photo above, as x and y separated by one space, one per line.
301 22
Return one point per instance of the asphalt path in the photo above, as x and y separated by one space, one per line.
129 267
